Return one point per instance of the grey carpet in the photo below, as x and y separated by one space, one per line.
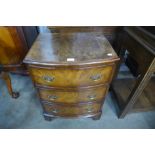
25 112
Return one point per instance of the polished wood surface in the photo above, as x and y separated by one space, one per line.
13 48
67 77
69 97
72 111
72 72
106 30
110 32
57 49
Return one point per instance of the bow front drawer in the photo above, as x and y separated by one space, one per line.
71 77
71 111
73 97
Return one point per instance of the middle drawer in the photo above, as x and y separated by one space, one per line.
73 96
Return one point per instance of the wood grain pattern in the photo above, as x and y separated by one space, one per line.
133 96
77 87
107 30
54 49
145 102
72 111
110 32
143 59
73 97
71 77
12 46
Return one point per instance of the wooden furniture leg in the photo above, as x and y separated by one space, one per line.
48 118
97 117
138 89
7 79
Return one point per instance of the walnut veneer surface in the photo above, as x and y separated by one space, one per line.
83 47
13 49
72 72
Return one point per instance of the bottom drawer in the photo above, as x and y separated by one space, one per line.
94 94
59 110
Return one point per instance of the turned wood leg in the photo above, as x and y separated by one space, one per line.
97 117
7 80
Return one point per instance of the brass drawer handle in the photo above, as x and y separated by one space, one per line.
91 97
55 111
96 77
52 97
89 109
48 78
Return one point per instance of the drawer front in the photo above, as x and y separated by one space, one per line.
71 77
72 110
71 97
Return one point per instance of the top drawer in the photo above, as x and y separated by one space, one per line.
67 77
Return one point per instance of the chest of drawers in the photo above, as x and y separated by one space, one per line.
72 73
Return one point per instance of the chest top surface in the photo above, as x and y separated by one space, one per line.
72 48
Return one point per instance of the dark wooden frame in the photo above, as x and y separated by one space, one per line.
146 72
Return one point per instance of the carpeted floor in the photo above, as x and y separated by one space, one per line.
25 112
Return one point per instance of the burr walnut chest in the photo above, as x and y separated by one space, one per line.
72 73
